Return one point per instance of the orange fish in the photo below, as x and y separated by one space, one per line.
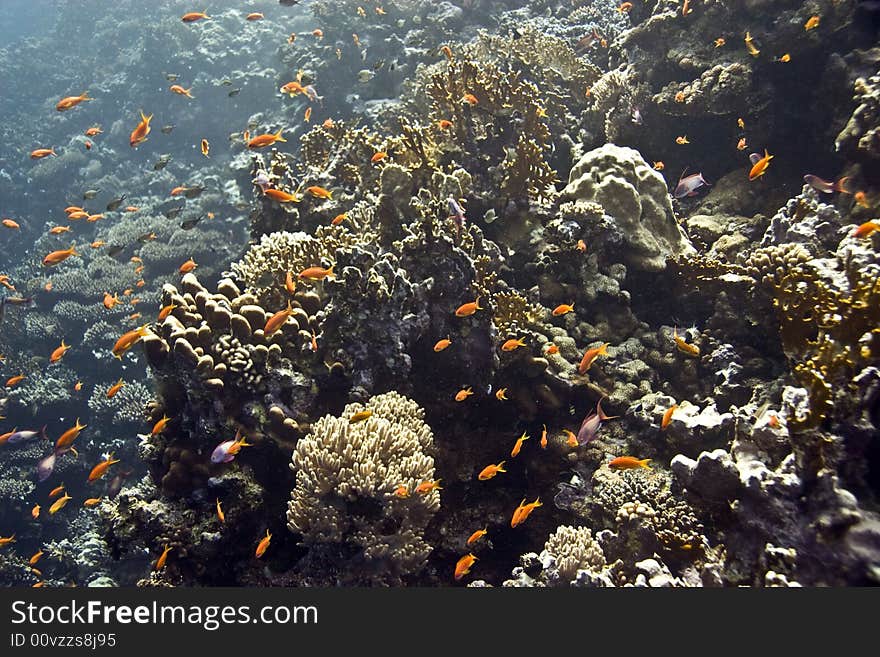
57 257
263 545
760 166
134 316
463 394
159 427
328 123
590 355
523 511
40 153
470 99
446 50
581 246
318 32
681 140
55 492
71 101
685 8
490 471
220 515
187 266
477 535
378 157
35 512
128 340
80 214
469 308
544 437
440 345
562 309
92 218
94 130
401 491
684 346
317 273
10 223
319 192
261 141
659 166
513 343
139 135
750 46
812 23
57 230
59 352
281 196
277 320
178 190
307 115
14 380
255 16
92 501
865 230
629 463
338 219
88 145
205 147
428 486
165 311
667 416
862 199
463 566
116 387
101 469
110 301
78 386
59 504
741 144
66 439
97 244
444 124
132 208
552 348
7 540
624 7
517 446
192 17
176 88
501 394
572 440
35 558
160 562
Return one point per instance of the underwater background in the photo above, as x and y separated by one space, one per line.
487 293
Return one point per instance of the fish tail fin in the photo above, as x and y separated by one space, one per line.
85 96
278 136
477 303
330 272
644 464
501 466
603 350
840 185
601 413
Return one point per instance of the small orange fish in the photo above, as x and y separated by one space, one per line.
187 266
134 316
101 468
571 440
255 16
328 124
360 416
139 135
552 349
428 486
865 230
116 387
319 192
57 257
682 140
513 343
40 153
220 515
55 492
205 147
581 246
318 32
720 41
501 394
128 340
59 504
466 309
72 208
753 51
477 535
165 311
78 386
66 439
684 346
80 214
94 130
624 8
861 199
160 562
261 141
463 394
659 166
71 101
741 144
97 244
444 124
523 511
92 218
667 416
160 425
773 421
307 116
7 540
140 283
57 230
440 345
470 99
317 273
132 208
490 471
35 512
812 23
378 157
446 50
741 124
292 38
11 223
281 196
176 88
629 463
14 380
191 17
401 491
590 355
110 301
463 566
263 545
784 58
338 219
35 558
686 8
88 145
562 309
759 168
92 501
59 352
517 446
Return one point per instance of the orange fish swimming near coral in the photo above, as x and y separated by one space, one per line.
277 320
463 394
512 344
57 257
319 192
71 101
523 511
759 164
128 340
317 273
139 135
179 90
590 355
463 566
66 439
261 141
40 153
491 470
263 545
160 562
101 468
517 446
629 463
193 16
116 387
59 352
469 308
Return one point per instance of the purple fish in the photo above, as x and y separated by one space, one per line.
688 185
456 212
591 425
116 483
826 187
228 449
21 436
754 158
636 116
46 466
261 181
